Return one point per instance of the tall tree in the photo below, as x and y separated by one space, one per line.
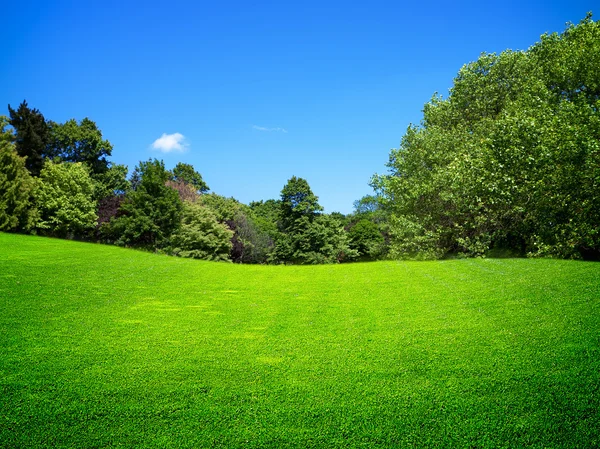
297 201
32 136
509 161
306 235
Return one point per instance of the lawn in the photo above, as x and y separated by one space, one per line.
109 347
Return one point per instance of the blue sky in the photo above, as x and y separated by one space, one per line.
260 91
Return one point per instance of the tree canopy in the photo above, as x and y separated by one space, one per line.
64 197
80 142
185 173
151 211
32 136
510 160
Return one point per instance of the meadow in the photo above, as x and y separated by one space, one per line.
109 347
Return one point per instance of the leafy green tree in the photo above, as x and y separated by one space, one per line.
16 188
201 236
185 173
266 216
368 204
112 182
508 161
297 200
32 136
150 213
64 197
81 142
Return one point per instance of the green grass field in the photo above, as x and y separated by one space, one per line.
108 347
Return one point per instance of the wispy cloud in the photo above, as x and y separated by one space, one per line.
168 143
262 128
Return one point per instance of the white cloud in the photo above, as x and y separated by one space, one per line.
262 128
167 143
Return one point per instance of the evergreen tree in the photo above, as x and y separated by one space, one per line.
32 136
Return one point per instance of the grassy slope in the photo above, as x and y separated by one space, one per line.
102 346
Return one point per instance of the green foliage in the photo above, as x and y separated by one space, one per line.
109 347
266 215
64 197
32 136
508 161
366 239
200 235
150 213
368 204
297 200
16 189
81 142
6 134
306 236
185 173
252 241
224 209
112 182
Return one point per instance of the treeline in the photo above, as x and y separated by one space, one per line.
57 180
509 163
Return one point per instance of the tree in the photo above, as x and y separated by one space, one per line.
368 204
150 213
81 142
509 161
32 136
16 188
64 198
250 242
366 239
306 235
201 236
186 192
112 182
298 200
186 174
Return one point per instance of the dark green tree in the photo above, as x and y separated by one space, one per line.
306 235
32 136
150 213
366 238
